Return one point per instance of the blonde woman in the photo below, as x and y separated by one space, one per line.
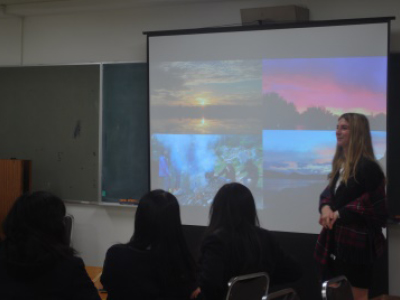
352 208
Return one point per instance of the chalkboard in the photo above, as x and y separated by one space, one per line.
125 133
50 115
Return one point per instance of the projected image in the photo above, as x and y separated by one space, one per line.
194 167
261 107
200 97
379 144
282 112
312 92
295 160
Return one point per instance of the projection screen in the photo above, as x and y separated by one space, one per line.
260 107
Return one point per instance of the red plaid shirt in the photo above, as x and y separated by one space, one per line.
359 242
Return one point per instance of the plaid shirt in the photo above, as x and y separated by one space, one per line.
359 243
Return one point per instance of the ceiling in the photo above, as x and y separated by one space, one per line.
12 8
15 2
11 2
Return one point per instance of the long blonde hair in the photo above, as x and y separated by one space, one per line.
360 145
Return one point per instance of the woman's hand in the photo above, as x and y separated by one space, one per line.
328 217
195 293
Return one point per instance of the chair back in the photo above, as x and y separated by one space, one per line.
286 294
69 228
338 288
248 287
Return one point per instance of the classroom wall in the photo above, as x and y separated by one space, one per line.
10 41
47 38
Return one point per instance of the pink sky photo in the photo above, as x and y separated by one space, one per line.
337 84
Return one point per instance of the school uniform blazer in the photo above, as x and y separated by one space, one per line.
130 273
357 235
65 280
218 265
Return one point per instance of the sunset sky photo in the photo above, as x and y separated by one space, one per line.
207 97
203 83
339 85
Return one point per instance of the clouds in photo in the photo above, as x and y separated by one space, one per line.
338 84
207 83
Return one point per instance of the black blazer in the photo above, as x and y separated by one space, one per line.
130 273
218 264
65 280
368 177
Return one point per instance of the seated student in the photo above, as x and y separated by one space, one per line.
35 261
234 245
155 263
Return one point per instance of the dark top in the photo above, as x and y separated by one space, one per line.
130 273
356 236
65 280
368 177
218 263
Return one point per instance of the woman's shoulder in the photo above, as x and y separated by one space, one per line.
223 238
365 164
369 167
70 263
222 234
264 231
127 249
71 267
266 236
118 248
126 254
369 173
216 241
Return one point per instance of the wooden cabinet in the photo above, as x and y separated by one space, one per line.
15 179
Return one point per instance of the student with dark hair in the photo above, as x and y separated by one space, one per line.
35 261
235 245
155 263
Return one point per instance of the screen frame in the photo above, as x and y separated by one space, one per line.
277 26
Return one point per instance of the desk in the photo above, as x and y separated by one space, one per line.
94 274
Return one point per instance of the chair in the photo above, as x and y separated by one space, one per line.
338 288
69 226
248 287
286 294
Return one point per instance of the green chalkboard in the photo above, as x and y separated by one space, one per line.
125 133
50 115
